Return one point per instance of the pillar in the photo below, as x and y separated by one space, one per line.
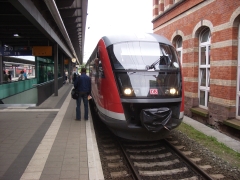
1 64
55 53
155 8
168 4
161 6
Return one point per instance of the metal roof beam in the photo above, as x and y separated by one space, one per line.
28 9
56 15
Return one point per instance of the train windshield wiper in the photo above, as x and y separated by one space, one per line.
131 73
152 66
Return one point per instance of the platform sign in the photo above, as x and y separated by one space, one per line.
42 51
15 51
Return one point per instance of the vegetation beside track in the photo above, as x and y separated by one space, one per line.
211 143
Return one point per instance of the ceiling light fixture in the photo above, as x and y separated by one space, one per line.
15 35
74 60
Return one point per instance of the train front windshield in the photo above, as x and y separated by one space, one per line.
146 69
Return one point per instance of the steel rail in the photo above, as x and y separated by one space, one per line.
135 173
186 159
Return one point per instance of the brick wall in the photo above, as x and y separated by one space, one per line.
187 19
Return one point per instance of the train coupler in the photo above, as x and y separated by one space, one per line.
155 119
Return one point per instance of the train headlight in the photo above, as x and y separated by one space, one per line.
127 91
173 91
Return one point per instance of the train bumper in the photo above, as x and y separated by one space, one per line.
139 132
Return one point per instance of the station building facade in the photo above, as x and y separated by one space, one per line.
206 36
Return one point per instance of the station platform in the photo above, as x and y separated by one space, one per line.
46 142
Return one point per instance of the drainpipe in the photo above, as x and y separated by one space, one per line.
56 16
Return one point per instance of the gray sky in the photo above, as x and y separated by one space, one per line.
113 16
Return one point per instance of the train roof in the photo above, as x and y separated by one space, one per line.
147 37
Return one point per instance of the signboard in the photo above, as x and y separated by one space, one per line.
15 51
42 51
26 51
65 61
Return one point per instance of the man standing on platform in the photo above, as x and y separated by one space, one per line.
83 86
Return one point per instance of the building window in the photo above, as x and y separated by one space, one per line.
204 68
179 48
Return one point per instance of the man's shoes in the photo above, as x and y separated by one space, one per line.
78 119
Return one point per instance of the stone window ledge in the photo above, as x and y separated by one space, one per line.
234 123
199 111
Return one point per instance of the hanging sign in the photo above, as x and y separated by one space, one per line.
42 51
65 61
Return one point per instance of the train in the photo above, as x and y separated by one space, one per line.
137 85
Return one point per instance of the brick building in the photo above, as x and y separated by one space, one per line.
206 35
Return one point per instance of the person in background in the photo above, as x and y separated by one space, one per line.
5 77
9 76
74 75
66 77
70 77
24 75
21 77
83 86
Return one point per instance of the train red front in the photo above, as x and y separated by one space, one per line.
137 85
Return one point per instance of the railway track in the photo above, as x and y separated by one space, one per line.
159 160
166 159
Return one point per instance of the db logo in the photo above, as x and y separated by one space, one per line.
153 91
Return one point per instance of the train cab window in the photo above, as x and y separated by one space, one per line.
134 55
139 55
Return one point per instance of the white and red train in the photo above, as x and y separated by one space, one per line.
137 85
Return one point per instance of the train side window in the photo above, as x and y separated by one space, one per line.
100 70
169 59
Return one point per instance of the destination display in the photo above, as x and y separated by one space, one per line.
26 51
15 51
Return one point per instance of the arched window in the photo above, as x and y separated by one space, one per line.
179 48
204 68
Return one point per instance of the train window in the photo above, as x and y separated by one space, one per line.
100 70
139 55
134 55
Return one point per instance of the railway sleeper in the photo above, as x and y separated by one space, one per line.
120 174
164 172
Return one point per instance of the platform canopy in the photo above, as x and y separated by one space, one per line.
28 23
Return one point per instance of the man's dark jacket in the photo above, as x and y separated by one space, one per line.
83 84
